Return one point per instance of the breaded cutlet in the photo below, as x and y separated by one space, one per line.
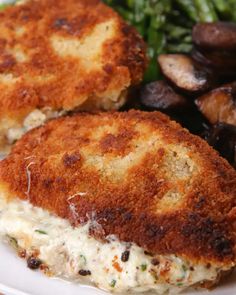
128 201
58 56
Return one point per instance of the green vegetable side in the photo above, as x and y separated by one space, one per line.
166 25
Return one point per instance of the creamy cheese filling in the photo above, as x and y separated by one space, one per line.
71 253
40 116
35 119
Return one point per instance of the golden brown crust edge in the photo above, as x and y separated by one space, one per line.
61 158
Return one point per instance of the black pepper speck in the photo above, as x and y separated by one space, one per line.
33 263
155 261
125 256
84 273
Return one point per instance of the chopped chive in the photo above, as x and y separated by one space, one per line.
113 283
83 258
184 267
13 242
39 231
143 267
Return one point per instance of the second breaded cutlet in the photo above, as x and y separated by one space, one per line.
128 201
57 56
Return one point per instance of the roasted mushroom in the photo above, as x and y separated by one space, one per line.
184 73
159 95
223 138
219 104
215 36
223 63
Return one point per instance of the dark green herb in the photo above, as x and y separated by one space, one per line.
13 242
143 267
42 232
184 267
113 283
83 258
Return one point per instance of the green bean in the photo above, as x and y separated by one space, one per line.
141 28
157 40
189 8
177 32
188 39
222 6
206 11
157 43
179 48
139 14
166 25
224 11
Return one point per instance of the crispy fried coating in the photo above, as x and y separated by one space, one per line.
65 55
139 175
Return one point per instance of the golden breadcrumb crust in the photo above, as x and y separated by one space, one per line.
65 55
141 176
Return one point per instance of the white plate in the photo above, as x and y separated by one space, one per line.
17 279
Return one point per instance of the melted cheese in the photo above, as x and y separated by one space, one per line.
67 250
35 119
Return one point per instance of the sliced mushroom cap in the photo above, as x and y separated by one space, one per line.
183 72
223 61
159 95
219 105
223 138
216 36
